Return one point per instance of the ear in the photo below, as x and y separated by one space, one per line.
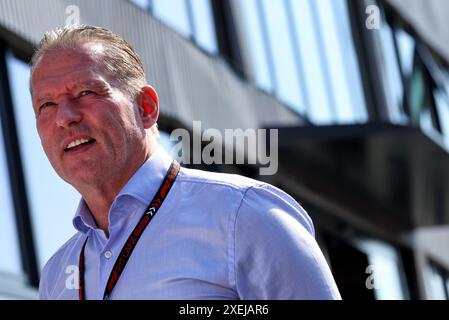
148 106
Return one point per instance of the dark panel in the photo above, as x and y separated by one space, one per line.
410 274
364 41
348 267
393 176
17 181
227 39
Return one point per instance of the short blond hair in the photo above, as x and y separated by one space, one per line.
120 59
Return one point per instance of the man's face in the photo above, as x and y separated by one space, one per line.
91 131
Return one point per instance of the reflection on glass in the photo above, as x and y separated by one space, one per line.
417 96
188 17
259 56
435 284
406 51
175 13
442 106
447 287
204 25
393 81
279 37
320 103
358 110
9 242
387 271
144 4
336 54
52 201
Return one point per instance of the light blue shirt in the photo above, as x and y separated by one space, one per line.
216 236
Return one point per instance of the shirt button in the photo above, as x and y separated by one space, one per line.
108 254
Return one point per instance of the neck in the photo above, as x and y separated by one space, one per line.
99 203
100 196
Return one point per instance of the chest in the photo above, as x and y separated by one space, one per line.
186 261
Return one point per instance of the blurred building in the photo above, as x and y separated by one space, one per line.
358 90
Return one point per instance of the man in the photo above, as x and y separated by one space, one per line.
146 228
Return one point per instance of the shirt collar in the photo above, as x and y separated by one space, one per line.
142 186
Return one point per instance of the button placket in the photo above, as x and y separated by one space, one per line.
107 254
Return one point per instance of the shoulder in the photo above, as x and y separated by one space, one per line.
56 265
229 189
268 206
276 255
253 199
221 180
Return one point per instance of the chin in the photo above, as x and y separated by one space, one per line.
83 174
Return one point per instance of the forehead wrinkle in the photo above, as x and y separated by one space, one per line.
95 83
101 77
92 51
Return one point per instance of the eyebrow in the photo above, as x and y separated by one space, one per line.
95 84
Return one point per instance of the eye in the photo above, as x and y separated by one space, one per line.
47 104
85 93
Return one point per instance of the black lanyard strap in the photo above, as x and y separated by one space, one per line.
131 243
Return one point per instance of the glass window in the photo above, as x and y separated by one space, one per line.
280 43
421 101
320 108
5 297
406 51
392 75
9 242
303 49
447 287
435 284
350 61
144 4
260 56
442 106
417 97
204 27
52 201
175 13
387 270
188 17
338 48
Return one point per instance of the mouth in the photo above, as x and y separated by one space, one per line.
78 144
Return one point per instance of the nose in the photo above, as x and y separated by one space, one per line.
68 113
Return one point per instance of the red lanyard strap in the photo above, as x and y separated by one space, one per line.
131 243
